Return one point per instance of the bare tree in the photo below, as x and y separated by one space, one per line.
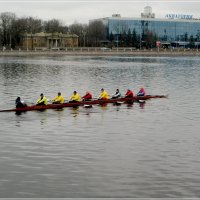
81 30
34 25
54 25
97 32
6 20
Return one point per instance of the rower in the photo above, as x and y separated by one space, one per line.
129 94
58 99
87 96
103 95
42 100
19 103
75 97
116 95
141 92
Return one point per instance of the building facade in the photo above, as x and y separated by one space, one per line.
180 29
48 41
164 29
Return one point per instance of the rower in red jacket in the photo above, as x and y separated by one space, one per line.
129 94
87 96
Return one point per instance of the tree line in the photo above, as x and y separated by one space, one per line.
93 34
12 27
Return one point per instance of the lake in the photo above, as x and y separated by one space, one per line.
146 150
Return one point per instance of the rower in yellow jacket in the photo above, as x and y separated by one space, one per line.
42 100
58 99
103 95
75 97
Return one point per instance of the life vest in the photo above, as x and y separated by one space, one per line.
58 99
88 95
129 94
42 100
75 97
103 95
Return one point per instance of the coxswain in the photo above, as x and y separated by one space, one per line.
19 103
58 99
103 95
129 94
141 92
42 100
87 96
116 95
75 97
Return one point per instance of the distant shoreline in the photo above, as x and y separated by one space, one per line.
162 53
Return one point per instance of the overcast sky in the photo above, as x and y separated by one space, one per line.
83 10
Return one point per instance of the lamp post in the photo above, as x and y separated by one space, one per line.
10 41
84 33
117 29
10 30
26 41
117 42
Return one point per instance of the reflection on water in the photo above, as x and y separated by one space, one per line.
75 111
142 104
139 150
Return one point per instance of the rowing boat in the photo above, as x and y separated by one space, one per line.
82 103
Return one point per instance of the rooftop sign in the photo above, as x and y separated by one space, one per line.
178 16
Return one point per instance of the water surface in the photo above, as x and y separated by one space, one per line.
140 151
